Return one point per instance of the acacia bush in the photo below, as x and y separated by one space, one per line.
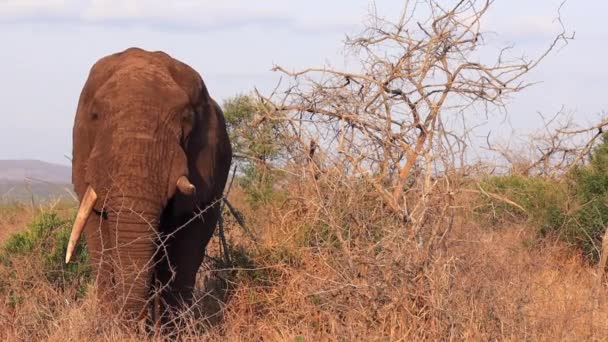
32 263
45 242
588 184
541 202
256 144
572 207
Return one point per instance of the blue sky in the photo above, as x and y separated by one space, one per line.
48 47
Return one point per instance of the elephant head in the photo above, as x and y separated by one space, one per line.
151 156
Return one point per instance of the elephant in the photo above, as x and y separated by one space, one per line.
150 160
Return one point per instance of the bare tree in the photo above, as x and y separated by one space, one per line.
400 122
559 145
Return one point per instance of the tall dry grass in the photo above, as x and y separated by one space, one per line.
13 218
344 270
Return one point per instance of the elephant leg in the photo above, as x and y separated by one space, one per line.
98 246
185 253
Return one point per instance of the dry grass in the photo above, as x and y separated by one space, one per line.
13 218
511 287
326 273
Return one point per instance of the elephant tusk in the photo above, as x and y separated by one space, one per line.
86 207
184 185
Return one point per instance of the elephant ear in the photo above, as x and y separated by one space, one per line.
208 151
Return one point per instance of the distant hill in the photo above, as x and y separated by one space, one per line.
33 180
20 170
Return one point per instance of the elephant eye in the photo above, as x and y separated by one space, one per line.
188 117
187 122
94 116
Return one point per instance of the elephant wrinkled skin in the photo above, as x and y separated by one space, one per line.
151 145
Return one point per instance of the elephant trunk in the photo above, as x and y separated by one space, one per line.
134 207
133 240
133 196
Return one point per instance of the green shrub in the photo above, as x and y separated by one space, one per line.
256 144
259 185
542 199
43 246
589 184
575 209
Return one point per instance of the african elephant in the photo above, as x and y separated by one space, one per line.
150 160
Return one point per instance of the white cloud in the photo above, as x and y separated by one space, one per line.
204 12
527 26
313 15
28 7
539 25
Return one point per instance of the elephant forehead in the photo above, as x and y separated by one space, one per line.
145 71
146 82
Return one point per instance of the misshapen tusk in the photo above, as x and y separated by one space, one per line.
86 207
184 185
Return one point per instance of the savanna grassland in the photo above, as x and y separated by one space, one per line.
358 209
342 272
